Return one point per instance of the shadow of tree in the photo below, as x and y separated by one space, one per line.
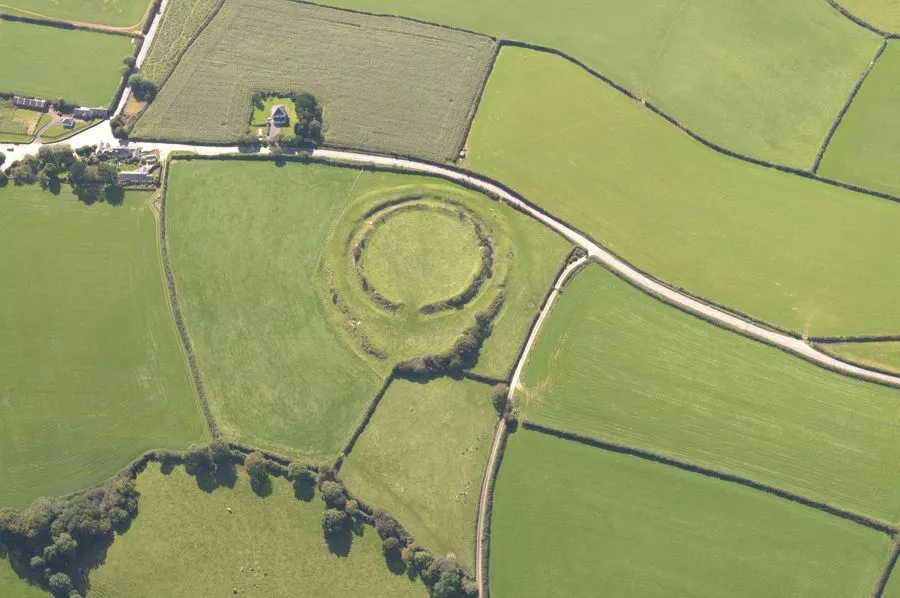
339 544
305 489
226 475
261 486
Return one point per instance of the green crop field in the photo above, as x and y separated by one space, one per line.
776 246
762 78
885 356
569 519
181 23
91 373
53 63
244 241
420 81
186 542
864 148
17 125
411 263
615 363
422 458
881 14
117 13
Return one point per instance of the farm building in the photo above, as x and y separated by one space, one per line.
135 177
121 153
68 122
84 113
280 116
29 103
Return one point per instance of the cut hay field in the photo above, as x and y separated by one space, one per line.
244 240
884 356
117 13
425 253
180 25
881 14
569 519
863 151
793 252
762 78
17 125
185 542
422 458
53 64
420 81
91 372
614 363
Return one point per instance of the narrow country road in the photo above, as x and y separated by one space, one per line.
142 53
102 133
484 497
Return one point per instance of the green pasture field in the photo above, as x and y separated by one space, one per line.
615 363
91 372
881 14
864 148
260 118
54 66
570 518
419 81
893 587
244 239
761 78
422 458
526 257
773 245
116 13
12 585
187 542
17 125
59 132
421 257
885 356
181 22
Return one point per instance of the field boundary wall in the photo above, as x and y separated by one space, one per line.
71 25
824 349
885 576
476 102
861 22
846 106
831 340
172 293
662 459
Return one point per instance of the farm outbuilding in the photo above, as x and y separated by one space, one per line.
84 113
29 103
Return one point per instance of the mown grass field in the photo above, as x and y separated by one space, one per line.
881 14
885 356
863 150
55 66
443 248
91 372
181 23
422 458
569 519
184 542
117 13
615 363
762 78
17 125
526 257
776 246
244 240
420 81
59 132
